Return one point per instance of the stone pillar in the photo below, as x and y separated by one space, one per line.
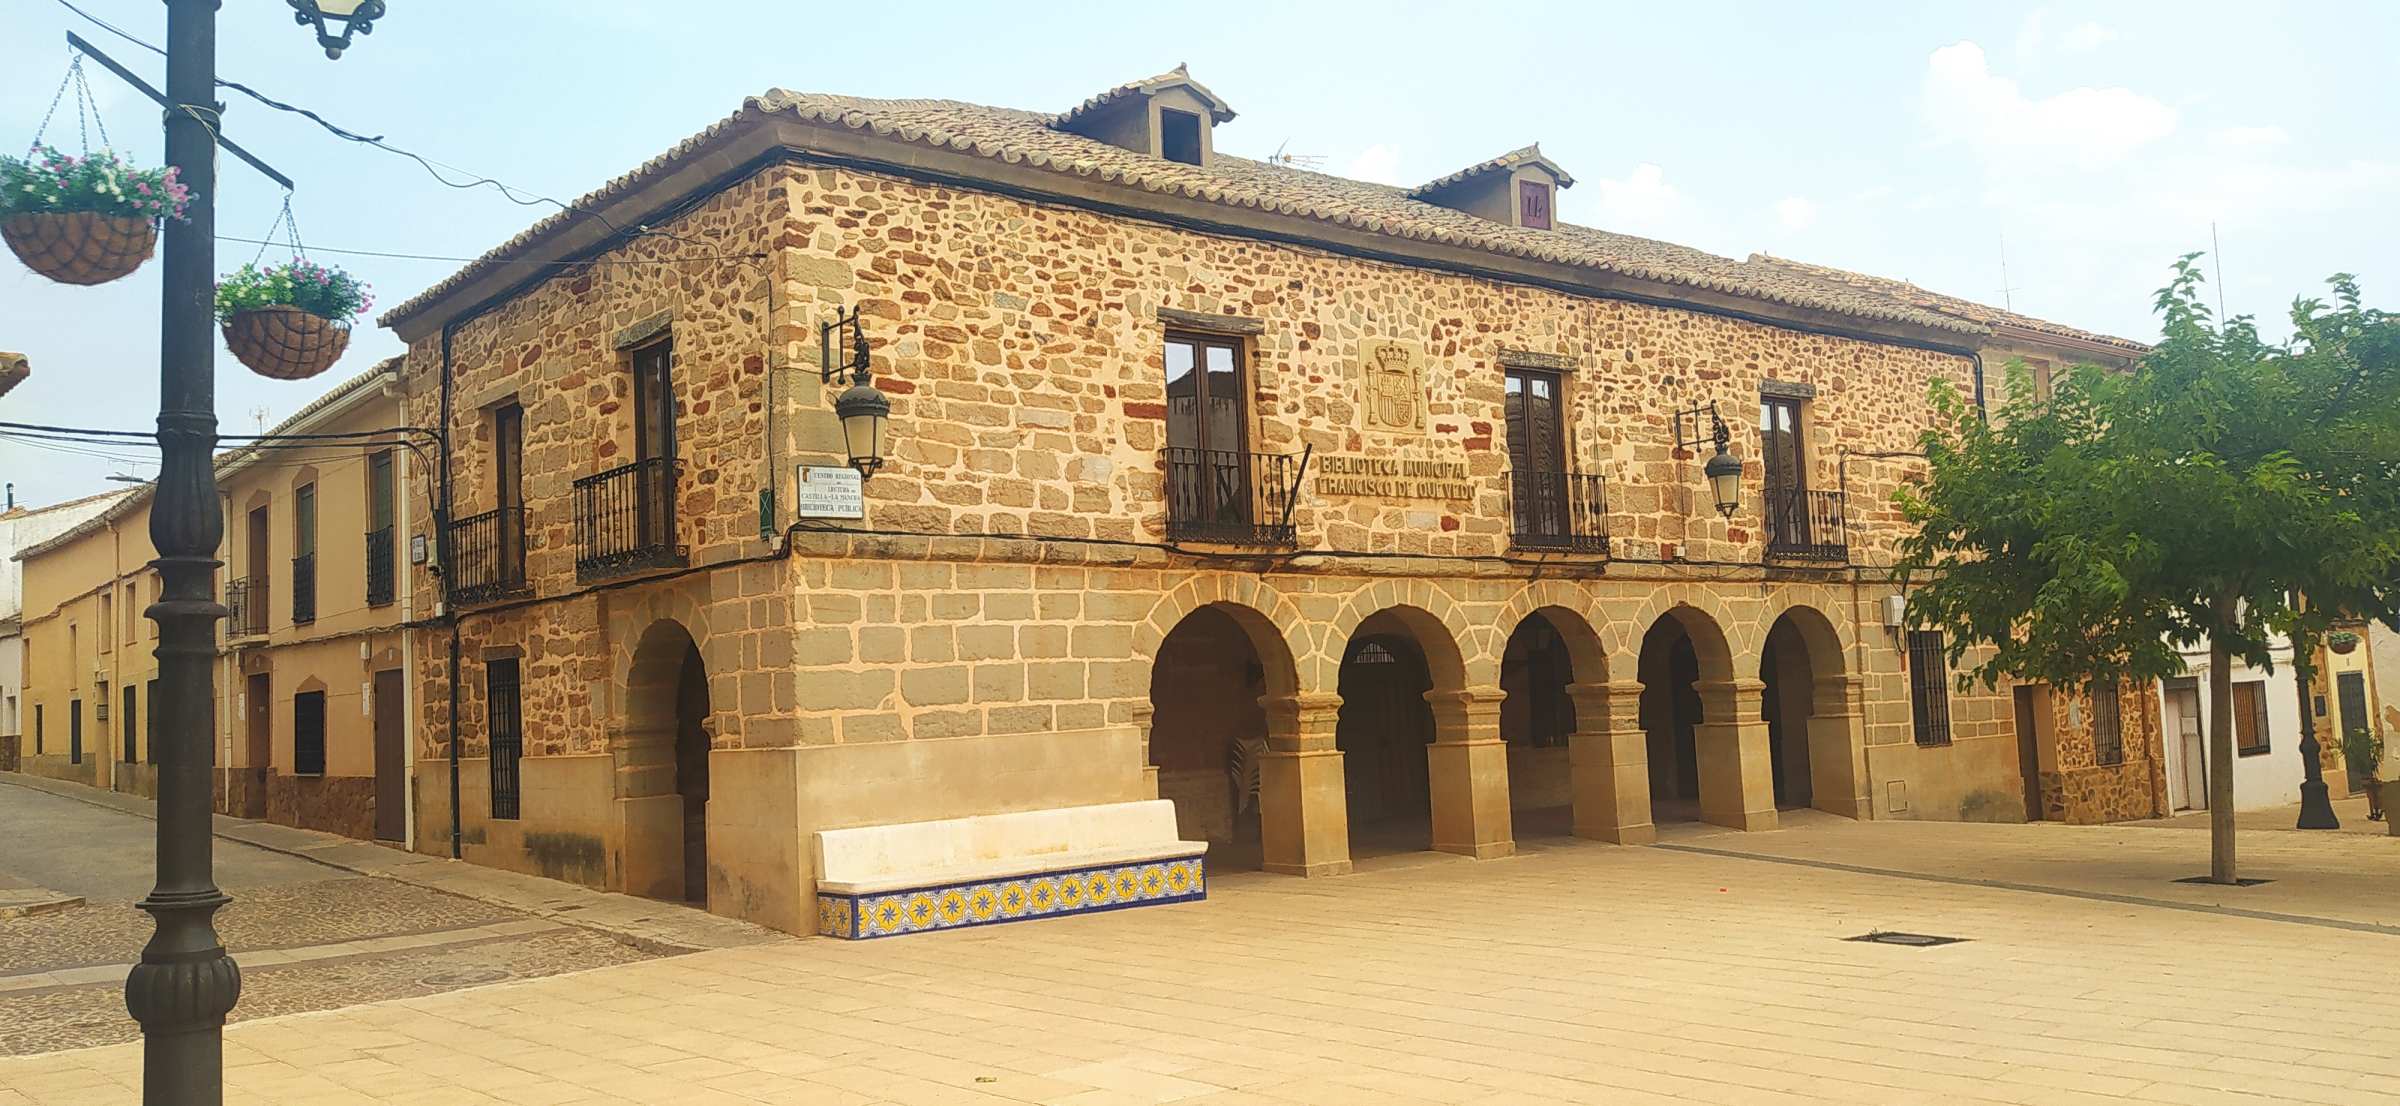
1737 774
649 815
1609 757
1467 765
1837 749
1303 803
1142 714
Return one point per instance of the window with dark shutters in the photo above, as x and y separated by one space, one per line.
308 733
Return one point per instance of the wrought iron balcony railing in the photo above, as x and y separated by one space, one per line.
1566 511
625 520
246 599
487 556
1236 498
304 588
383 558
1806 526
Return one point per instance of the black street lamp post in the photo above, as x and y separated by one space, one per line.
185 984
2316 805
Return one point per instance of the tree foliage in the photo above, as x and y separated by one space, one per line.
2084 537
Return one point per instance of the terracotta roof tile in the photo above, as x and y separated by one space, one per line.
1522 155
1219 110
1903 292
1029 138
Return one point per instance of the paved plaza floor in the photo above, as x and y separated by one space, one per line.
1714 968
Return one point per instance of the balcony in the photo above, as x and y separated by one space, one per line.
487 557
383 556
1564 512
247 601
625 520
304 589
1806 526
1232 498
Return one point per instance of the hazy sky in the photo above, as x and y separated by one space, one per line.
2097 141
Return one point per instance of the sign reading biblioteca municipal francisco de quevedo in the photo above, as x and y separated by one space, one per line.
1391 375
1392 477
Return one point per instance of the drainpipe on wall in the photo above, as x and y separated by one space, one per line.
441 532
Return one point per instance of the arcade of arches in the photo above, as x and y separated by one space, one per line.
1408 754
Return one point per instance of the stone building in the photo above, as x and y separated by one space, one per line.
311 704
1351 518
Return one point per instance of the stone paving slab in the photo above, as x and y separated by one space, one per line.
656 927
1577 973
29 901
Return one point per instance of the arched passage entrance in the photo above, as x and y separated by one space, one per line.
1707 746
1394 666
1784 704
662 767
1549 653
1815 743
1210 687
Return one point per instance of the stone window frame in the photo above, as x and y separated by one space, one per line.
1239 331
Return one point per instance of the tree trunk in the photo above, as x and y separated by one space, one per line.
2220 761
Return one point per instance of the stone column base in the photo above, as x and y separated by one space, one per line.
1304 818
1470 798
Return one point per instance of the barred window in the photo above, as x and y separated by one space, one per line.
504 722
1929 687
2108 725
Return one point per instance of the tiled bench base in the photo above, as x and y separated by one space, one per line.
1014 899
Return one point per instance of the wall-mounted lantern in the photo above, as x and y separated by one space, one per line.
347 16
863 411
1724 471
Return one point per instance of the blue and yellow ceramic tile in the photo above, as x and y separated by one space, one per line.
1055 894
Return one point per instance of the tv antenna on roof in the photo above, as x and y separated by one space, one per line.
2007 290
1302 161
259 415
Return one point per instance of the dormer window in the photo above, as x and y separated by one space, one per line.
1533 203
1179 136
1169 116
1519 188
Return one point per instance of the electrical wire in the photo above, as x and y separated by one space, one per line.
594 262
519 196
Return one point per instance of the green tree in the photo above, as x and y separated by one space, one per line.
2225 490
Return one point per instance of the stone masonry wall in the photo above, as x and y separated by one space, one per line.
1021 347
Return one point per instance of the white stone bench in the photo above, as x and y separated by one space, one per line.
878 881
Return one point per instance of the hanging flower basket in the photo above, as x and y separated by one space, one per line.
289 322
80 247
284 342
84 220
2343 642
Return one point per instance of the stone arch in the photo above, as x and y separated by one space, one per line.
1222 688
1552 673
1701 613
1266 616
1706 744
1569 608
1458 655
1831 731
661 754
